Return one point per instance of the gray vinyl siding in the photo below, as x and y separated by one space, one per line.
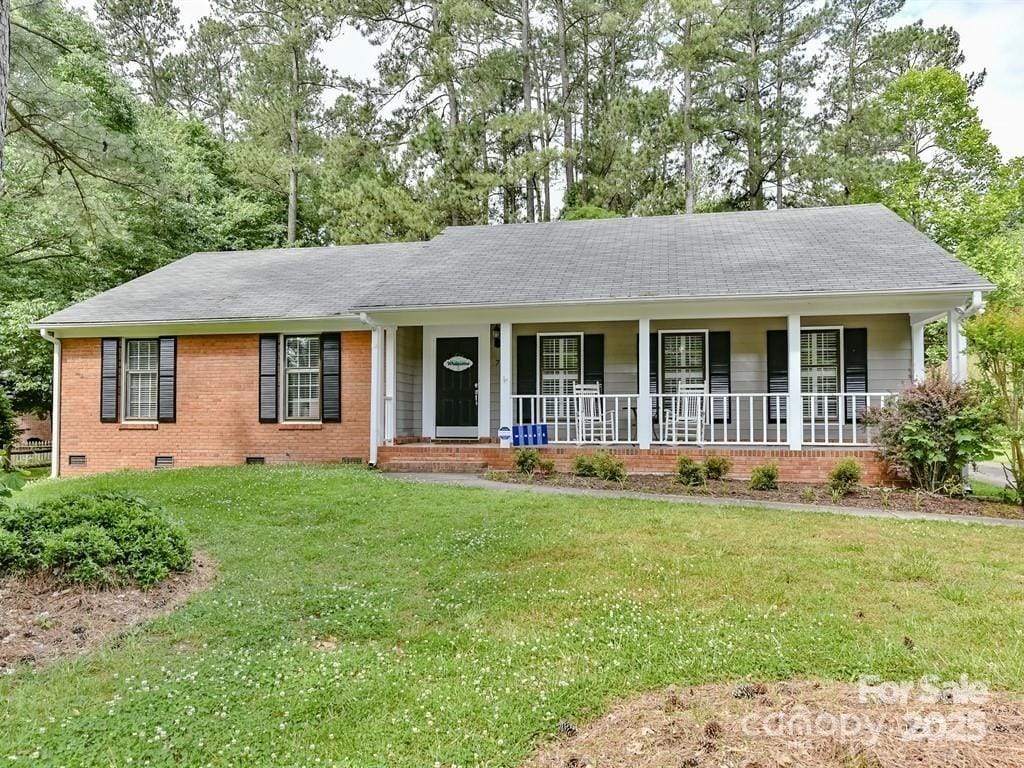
409 384
620 356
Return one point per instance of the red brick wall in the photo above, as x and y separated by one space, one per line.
33 427
218 414
811 465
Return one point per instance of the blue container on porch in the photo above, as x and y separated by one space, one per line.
530 434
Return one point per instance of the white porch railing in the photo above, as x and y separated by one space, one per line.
705 419
567 422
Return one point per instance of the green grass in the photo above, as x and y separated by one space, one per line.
468 622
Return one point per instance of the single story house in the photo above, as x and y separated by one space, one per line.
762 335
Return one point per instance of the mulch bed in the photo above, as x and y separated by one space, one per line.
796 723
42 620
863 497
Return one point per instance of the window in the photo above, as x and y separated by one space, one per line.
561 367
683 362
142 358
819 370
302 378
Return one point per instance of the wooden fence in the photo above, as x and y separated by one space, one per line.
31 455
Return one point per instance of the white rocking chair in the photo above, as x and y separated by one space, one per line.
684 414
593 420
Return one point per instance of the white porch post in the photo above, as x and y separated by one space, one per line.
390 382
644 412
376 366
505 380
795 409
956 347
917 351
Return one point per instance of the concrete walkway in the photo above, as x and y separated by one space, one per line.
991 472
475 481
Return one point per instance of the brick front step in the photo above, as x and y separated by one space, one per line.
433 464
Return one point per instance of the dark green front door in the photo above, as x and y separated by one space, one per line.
457 376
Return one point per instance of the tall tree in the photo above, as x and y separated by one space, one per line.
5 69
140 34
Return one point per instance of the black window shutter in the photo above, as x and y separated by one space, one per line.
593 359
654 342
330 377
720 374
855 373
526 372
166 404
268 378
778 373
110 367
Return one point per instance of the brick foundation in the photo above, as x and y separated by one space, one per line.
218 415
811 465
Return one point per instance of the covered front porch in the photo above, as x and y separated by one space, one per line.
689 380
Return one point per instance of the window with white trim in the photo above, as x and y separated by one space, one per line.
561 367
302 378
819 370
683 362
141 373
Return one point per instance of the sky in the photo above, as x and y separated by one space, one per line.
990 31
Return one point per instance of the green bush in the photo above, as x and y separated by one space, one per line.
765 477
608 467
716 467
932 431
583 466
94 539
526 460
844 477
689 472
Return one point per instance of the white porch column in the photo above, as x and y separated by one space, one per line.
505 381
917 351
956 348
376 369
795 408
644 412
390 383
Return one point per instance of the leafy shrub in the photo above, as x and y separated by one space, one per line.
689 472
528 461
844 477
765 477
717 467
93 539
583 466
12 555
932 431
608 467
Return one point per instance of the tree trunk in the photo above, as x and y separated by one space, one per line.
581 159
293 150
5 72
531 183
688 175
563 66
780 150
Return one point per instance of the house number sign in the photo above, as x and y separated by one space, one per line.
457 363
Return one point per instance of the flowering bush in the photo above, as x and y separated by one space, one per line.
933 431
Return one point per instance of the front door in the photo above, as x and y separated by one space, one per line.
457 377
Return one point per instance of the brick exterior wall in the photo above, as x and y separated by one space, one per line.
217 410
810 466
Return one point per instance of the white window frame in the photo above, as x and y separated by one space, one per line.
661 354
126 373
283 389
819 414
557 412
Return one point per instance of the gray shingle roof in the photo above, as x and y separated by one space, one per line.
240 285
863 249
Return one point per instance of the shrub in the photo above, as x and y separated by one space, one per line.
12 555
932 431
765 477
717 467
690 472
528 461
583 466
94 539
608 467
844 477
8 431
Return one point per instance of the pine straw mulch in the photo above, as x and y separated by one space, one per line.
728 726
864 497
42 620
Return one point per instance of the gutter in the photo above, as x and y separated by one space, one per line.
55 407
976 307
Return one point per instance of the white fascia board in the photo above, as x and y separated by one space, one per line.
206 327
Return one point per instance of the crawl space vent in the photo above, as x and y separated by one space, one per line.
163 462
255 460
352 460
76 460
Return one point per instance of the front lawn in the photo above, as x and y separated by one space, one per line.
360 620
